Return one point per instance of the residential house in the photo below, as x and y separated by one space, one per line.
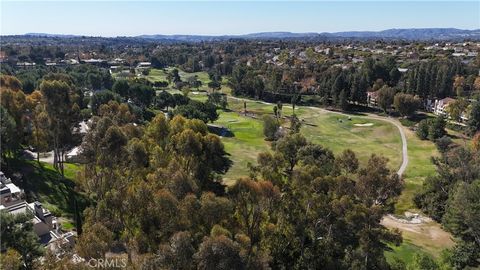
144 65
10 194
26 65
95 62
372 98
44 223
440 107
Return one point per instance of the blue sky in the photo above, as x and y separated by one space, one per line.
128 18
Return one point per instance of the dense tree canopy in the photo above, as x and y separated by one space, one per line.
17 233
451 197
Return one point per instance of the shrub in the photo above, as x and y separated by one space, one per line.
270 127
422 129
443 144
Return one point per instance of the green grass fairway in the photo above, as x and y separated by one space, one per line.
200 96
254 106
419 167
201 76
244 146
156 75
319 127
338 133
325 128
196 94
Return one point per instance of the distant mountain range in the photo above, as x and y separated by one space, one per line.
405 34
414 34
51 35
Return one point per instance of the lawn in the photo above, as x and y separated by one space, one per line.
46 185
419 167
404 252
245 144
199 96
196 94
257 107
338 132
318 126
156 75
201 76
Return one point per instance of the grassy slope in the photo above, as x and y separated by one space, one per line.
46 185
245 145
404 252
157 75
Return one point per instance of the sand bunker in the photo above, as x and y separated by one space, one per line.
364 125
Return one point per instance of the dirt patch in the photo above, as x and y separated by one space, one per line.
422 232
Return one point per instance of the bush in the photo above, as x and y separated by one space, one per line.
198 110
54 210
406 122
436 129
443 144
457 128
218 230
422 129
160 84
431 129
424 262
270 127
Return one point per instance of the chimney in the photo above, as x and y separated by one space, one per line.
38 210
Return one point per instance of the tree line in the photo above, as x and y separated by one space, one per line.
451 198
159 196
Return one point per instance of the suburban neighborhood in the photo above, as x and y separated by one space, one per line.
239 135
